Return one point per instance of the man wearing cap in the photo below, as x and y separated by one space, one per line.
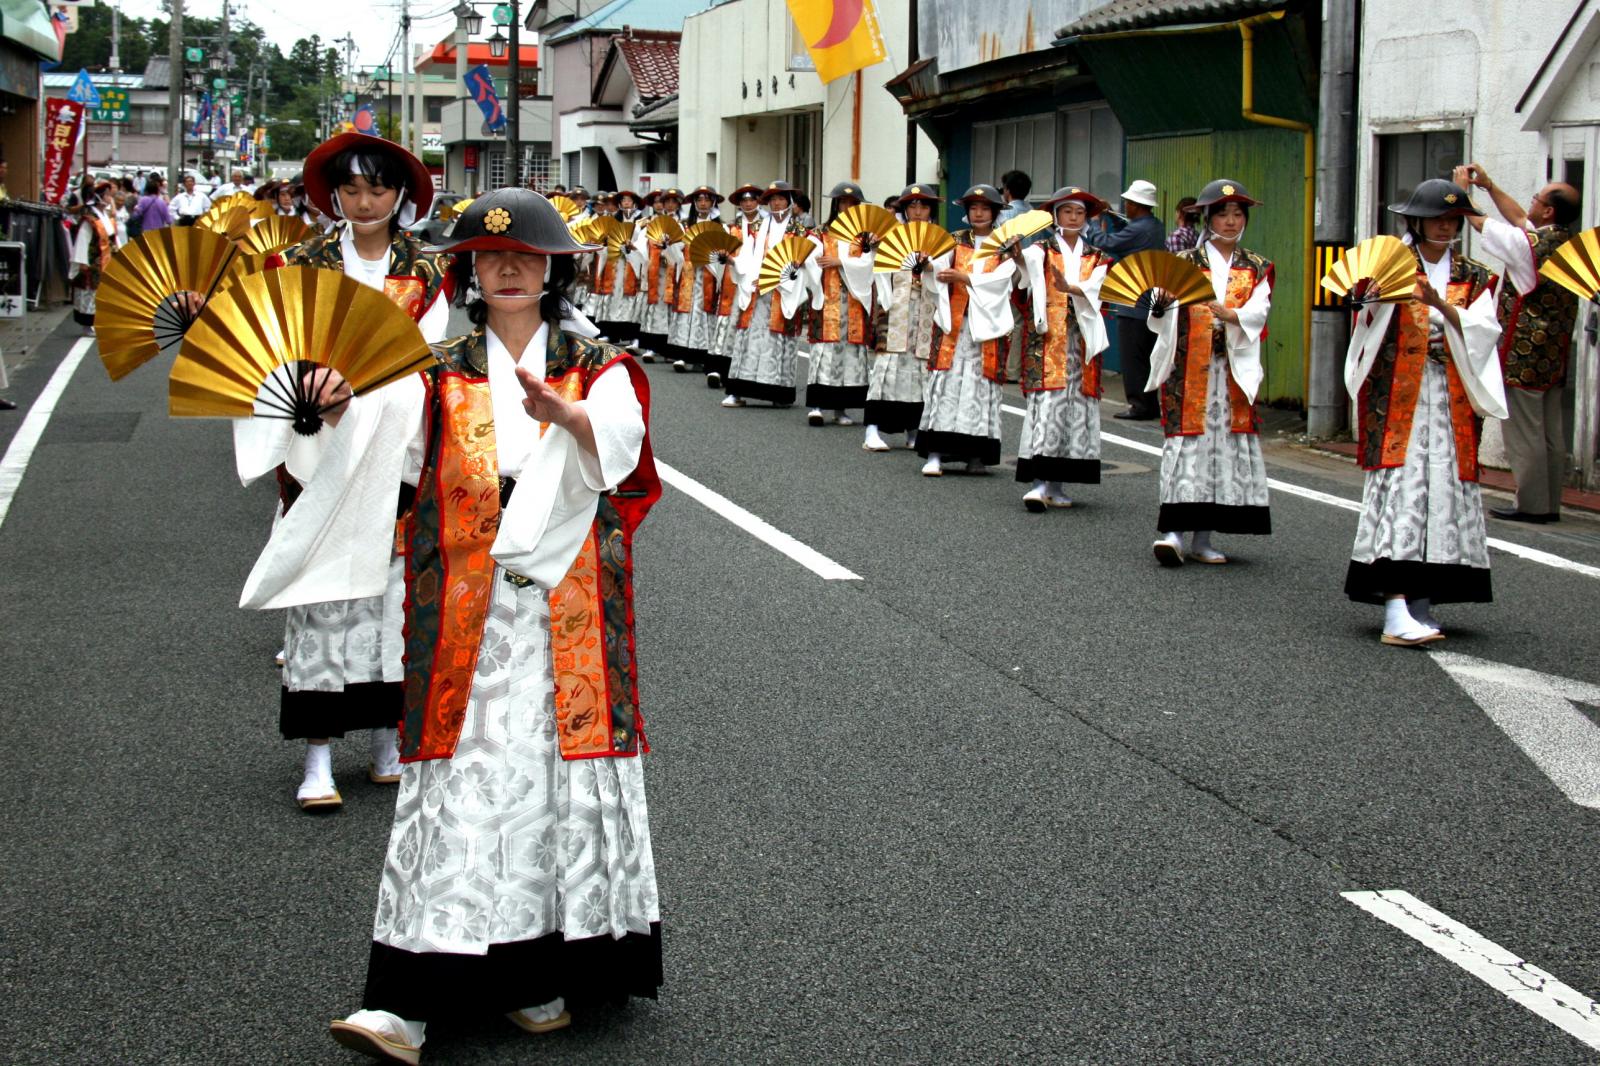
1142 232
1538 316
342 668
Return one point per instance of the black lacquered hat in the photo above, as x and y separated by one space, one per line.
1436 198
847 188
1224 191
928 194
982 194
1072 194
778 188
512 220
706 190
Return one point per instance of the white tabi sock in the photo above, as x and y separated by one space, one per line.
386 751
319 761
391 1027
1422 611
1398 621
547 1012
1200 541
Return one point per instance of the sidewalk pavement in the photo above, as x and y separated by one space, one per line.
20 338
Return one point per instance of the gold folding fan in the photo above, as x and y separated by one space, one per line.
152 292
865 222
1384 262
901 244
691 232
664 228
225 214
1182 281
260 347
586 232
451 212
783 261
711 242
1575 266
614 233
1018 229
566 205
274 235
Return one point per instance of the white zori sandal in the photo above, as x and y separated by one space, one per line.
381 1035
545 1019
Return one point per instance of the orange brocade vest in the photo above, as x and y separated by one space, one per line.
1044 356
450 574
1387 403
944 344
837 320
1183 396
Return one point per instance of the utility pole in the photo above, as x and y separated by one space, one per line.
347 84
1326 403
116 79
175 91
514 116
405 74
227 74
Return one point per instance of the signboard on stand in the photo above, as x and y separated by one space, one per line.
13 279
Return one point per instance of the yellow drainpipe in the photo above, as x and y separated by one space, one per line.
1247 101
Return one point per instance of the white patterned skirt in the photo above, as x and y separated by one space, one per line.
961 409
761 362
1061 434
1421 532
1216 480
342 664
895 383
837 375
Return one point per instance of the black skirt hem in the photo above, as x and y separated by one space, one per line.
958 447
716 364
836 397
1055 468
1438 582
424 986
692 356
653 342
759 390
315 715
1214 517
892 416
617 330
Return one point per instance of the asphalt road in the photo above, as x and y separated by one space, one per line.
1016 795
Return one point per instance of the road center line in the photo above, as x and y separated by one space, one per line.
1515 978
1521 551
757 527
15 462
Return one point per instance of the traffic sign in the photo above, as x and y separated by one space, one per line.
113 106
83 91
380 73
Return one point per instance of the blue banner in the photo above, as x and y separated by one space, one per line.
202 119
481 86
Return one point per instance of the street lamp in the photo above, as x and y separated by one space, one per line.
497 45
469 19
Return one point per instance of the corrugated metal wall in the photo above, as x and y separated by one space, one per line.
1269 163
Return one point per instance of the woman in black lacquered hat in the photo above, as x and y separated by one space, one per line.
1207 364
841 317
902 330
761 359
519 874
689 329
1424 372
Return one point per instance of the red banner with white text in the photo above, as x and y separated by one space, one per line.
62 119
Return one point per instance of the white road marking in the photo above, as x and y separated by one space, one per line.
1535 710
757 527
1533 555
15 462
1517 979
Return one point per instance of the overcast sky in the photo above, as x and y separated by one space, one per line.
373 24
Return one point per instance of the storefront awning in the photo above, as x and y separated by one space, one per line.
28 23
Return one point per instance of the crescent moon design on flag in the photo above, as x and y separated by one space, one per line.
846 16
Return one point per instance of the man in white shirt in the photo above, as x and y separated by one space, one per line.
237 183
189 204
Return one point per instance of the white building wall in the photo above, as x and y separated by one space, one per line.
729 49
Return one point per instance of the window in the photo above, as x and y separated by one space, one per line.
571 161
1025 144
147 118
435 109
537 167
1405 160
1091 144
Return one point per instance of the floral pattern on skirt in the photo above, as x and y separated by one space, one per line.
1218 466
507 841
961 400
347 642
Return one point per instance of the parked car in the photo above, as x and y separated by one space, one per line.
433 228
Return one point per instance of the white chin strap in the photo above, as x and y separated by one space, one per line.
402 206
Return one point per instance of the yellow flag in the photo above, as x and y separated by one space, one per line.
842 35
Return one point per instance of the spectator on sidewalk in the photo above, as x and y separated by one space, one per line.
1140 231
152 208
1538 317
191 203
1184 235
1016 185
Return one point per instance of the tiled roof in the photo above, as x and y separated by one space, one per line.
640 14
1136 14
653 63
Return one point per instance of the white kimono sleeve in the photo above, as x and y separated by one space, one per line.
746 267
435 321
1086 309
80 251
1366 341
858 277
1513 247
553 507
813 273
1033 279
988 299
1475 349
793 291
1244 340
1165 352
337 540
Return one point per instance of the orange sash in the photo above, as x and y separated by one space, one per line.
835 311
944 352
1063 323
1411 353
1195 367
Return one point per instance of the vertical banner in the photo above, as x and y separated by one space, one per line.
61 121
481 86
202 119
842 36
